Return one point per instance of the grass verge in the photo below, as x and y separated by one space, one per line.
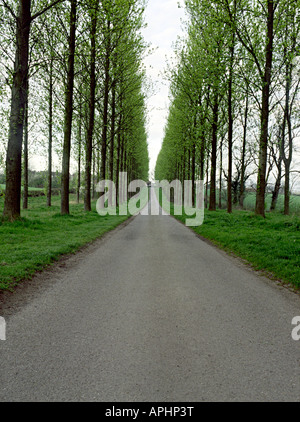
42 235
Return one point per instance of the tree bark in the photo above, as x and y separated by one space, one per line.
112 133
118 155
25 158
275 192
50 130
93 178
183 173
212 194
16 120
79 151
287 190
193 173
202 156
90 131
230 130
263 143
65 177
221 170
287 158
243 170
207 181
105 106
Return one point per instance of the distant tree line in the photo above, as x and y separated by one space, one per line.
36 179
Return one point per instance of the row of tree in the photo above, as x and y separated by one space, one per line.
235 95
75 77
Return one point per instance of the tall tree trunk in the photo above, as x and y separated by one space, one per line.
263 143
221 170
212 194
118 155
203 139
275 192
243 170
65 177
90 131
183 173
112 133
202 156
230 129
193 173
16 120
93 178
112 142
105 106
98 162
207 180
50 130
25 158
122 167
287 158
188 173
79 149
125 163
286 210
78 171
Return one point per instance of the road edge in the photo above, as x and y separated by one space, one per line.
244 262
27 289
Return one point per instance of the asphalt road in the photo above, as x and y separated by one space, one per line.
152 313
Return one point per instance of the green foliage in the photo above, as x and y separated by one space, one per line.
220 97
119 50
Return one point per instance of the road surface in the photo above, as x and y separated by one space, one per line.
151 313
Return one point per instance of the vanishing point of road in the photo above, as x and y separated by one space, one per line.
151 313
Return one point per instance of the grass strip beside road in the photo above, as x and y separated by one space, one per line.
271 244
42 235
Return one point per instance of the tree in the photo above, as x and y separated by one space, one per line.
65 178
23 20
93 11
245 22
291 83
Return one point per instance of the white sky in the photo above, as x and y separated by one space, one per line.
163 18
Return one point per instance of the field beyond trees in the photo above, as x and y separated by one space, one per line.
249 203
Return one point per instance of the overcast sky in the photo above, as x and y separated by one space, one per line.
163 18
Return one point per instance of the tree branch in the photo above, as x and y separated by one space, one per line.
45 9
9 9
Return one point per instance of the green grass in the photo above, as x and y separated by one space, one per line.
270 244
42 235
